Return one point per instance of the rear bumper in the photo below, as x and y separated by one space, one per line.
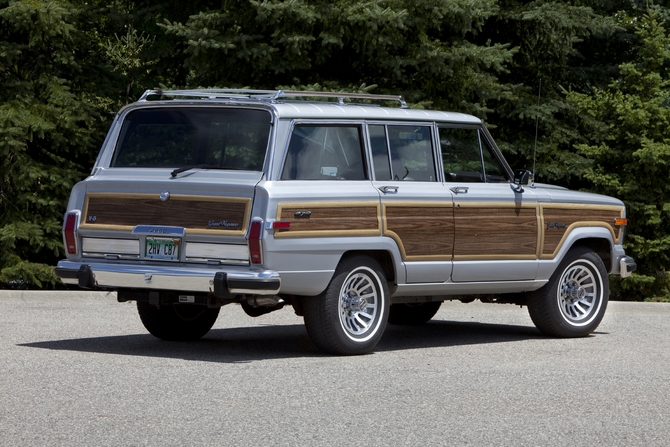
221 282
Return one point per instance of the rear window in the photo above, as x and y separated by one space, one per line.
176 137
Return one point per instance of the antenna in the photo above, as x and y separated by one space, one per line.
537 120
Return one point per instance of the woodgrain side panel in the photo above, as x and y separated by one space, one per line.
558 221
495 232
198 214
329 219
422 231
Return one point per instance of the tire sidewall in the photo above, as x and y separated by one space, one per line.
322 313
594 314
545 306
379 321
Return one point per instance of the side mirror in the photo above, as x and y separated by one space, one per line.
522 177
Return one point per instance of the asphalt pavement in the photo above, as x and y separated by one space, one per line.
79 369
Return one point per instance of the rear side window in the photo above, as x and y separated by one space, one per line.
325 153
402 153
176 137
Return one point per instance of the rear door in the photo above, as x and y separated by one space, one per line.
417 212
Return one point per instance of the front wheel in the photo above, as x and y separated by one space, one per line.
573 302
177 322
349 317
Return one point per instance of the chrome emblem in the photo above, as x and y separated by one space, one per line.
555 225
222 223
164 196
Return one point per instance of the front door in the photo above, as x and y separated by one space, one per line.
496 226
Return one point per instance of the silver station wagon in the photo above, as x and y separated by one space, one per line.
354 214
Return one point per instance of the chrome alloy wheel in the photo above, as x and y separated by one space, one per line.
580 293
359 304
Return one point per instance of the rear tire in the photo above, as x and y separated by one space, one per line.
177 322
573 302
412 314
349 317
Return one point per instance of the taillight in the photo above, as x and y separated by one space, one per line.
69 233
255 242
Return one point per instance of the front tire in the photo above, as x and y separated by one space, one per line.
177 322
349 317
573 302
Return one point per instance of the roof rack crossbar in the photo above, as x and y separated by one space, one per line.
270 95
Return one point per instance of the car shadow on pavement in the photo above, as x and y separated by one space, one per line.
235 345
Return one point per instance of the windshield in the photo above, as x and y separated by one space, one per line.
222 138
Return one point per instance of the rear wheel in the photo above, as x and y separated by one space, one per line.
177 322
413 313
350 316
573 302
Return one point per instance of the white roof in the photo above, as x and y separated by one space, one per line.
307 110
303 109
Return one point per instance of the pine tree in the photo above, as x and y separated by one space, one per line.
629 153
47 132
420 49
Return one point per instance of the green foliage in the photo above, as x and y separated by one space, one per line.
550 37
45 133
67 65
421 49
628 153
125 53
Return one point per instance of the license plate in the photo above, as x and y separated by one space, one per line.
166 249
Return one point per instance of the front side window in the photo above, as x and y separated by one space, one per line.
467 157
325 153
181 136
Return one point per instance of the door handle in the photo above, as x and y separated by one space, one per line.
387 189
459 189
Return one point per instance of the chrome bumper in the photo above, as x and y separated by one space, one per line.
627 265
221 281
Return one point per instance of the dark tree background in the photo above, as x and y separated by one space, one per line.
67 66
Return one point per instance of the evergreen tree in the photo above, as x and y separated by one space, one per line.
47 133
420 49
552 39
628 153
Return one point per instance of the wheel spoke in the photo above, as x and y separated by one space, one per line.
360 322
359 303
578 293
581 310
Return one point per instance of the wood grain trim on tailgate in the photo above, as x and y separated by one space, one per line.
196 213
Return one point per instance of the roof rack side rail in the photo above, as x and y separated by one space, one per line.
210 93
341 96
269 95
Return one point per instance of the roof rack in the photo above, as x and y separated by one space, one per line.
270 95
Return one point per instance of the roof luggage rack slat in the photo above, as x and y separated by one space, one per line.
270 95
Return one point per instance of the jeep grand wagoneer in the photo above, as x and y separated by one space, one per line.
353 214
